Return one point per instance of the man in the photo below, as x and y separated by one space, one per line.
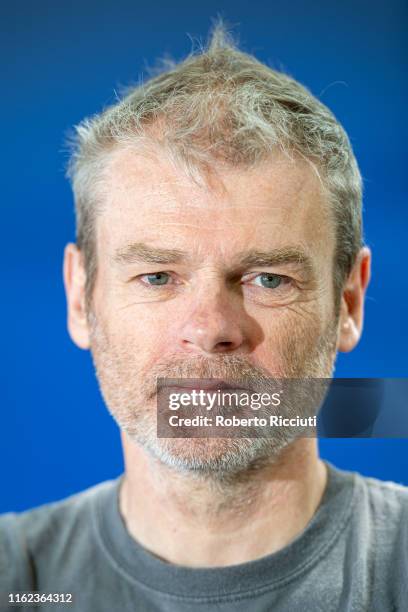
218 237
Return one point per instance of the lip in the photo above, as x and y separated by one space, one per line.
197 384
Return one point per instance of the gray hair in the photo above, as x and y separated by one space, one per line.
220 104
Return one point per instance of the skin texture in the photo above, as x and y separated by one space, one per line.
213 319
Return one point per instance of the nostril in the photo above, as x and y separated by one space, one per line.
224 345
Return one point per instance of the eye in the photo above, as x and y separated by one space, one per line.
156 279
269 281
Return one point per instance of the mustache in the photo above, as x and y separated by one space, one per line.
230 369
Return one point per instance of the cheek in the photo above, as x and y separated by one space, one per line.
291 319
142 333
289 330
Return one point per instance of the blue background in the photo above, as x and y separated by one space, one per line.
61 62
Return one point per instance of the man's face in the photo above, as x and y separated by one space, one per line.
226 280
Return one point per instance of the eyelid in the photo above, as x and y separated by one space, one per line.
252 275
172 277
287 284
248 274
140 278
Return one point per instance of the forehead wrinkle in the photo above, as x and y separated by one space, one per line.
172 189
172 196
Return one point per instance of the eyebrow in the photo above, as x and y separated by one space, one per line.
291 255
140 252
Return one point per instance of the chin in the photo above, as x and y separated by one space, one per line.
214 457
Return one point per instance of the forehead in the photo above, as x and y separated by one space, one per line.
149 199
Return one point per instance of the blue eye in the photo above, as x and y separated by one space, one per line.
269 281
158 278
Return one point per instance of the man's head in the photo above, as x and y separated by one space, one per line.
218 235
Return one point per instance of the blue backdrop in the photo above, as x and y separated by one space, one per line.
62 61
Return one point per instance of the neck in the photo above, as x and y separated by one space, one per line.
204 523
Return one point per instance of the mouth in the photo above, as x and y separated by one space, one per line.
198 384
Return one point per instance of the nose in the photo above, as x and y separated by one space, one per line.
215 324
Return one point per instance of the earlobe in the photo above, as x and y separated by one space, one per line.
352 302
349 335
74 282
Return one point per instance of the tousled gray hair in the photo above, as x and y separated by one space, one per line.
223 105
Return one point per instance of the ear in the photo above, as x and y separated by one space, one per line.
352 302
74 282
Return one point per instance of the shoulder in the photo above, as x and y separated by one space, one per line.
385 510
379 520
377 514
370 495
47 519
384 499
46 531
384 506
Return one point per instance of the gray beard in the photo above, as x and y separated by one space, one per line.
129 397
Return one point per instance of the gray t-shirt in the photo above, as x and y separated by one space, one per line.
353 555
